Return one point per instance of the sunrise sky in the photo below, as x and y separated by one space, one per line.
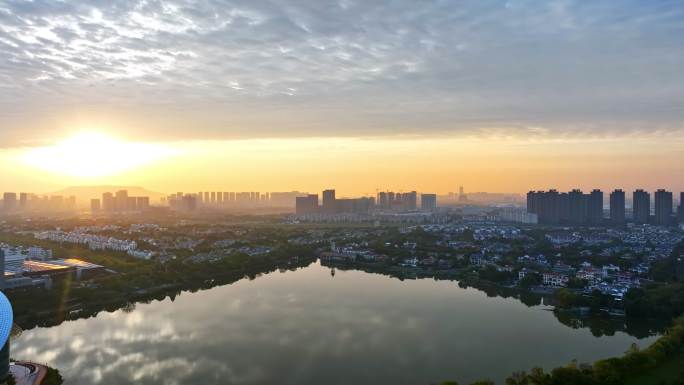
359 95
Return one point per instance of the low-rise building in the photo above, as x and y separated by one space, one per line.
555 279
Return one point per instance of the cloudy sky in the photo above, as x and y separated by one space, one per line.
504 81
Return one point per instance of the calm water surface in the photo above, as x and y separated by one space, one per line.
309 327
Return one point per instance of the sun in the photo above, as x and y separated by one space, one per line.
93 155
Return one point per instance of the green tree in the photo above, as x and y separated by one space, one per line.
609 372
538 377
566 298
518 378
571 375
530 279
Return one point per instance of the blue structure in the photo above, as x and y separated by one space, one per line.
6 322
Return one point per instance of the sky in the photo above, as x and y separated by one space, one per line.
259 95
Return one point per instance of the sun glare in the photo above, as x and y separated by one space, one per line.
93 154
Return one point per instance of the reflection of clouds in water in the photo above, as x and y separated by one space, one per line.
411 323
163 332
301 328
112 347
42 355
236 304
76 344
168 370
134 319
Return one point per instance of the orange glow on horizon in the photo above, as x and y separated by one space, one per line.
354 166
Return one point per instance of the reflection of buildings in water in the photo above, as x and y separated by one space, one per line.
26 373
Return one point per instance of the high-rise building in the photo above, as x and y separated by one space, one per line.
307 204
121 200
428 202
578 202
355 206
534 201
574 207
132 204
564 207
183 202
108 202
411 200
23 201
550 207
663 207
617 207
142 203
595 207
9 200
462 197
531 202
329 201
71 202
383 200
188 202
57 202
680 209
95 205
641 206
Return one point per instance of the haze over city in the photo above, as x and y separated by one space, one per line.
305 192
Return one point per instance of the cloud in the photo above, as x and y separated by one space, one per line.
336 68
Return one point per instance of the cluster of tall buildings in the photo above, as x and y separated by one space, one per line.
219 199
330 204
182 202
13 203
397 201
119 202
578 208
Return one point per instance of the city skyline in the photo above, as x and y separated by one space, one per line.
213 194
306 192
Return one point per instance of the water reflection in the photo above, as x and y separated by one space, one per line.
310 327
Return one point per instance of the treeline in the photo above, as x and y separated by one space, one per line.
655 301
139 281
613 371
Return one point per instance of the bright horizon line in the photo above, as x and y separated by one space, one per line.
92 158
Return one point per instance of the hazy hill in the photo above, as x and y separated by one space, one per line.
84 194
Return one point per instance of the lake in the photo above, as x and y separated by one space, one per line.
309 327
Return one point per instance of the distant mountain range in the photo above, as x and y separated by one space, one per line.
86 193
